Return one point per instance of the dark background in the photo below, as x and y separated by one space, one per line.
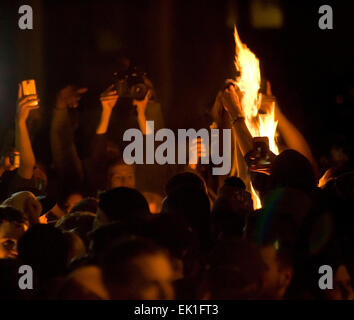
187 48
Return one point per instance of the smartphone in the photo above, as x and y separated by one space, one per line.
15 159
28 87
261 151
261 146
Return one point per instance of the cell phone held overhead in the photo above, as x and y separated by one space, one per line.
28 87
260 158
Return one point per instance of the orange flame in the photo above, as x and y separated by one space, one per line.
249 81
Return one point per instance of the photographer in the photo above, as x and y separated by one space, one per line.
130 109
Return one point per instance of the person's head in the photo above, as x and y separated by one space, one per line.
292 169
27 203
279 270
45 249
13 225
102 237
76 247
183 180
342 285
137 269
70 201
121 204
67 196
338 254
85 205
120 174
81 223
232 207
277 233
191 206
235 271
84 283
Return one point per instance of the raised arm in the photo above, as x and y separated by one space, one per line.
65 156
291 135
231 102
141 109
22 140
108 100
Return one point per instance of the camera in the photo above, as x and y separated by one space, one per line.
130 84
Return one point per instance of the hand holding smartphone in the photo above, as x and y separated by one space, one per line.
27 99
28 87
260 158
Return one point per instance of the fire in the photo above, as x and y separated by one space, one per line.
249 81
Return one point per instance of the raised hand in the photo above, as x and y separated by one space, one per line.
69 97
142 104
140 108
25 104
231 99
268 102
109 98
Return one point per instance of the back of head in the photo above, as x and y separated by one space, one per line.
235 270
231 207
124 272
27 203
184 180
86 205
123 204
102 237
45 249
292 169
191 206
79 222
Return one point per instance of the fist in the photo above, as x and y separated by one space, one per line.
231 99
69 97
109 98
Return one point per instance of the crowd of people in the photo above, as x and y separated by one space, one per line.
87 232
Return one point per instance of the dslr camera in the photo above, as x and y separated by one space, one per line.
130 84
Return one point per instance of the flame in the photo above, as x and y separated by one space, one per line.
249 81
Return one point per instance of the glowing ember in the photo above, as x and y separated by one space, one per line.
249 81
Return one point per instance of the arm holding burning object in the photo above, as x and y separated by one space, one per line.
231 98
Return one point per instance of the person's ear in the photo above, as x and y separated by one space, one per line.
286 275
